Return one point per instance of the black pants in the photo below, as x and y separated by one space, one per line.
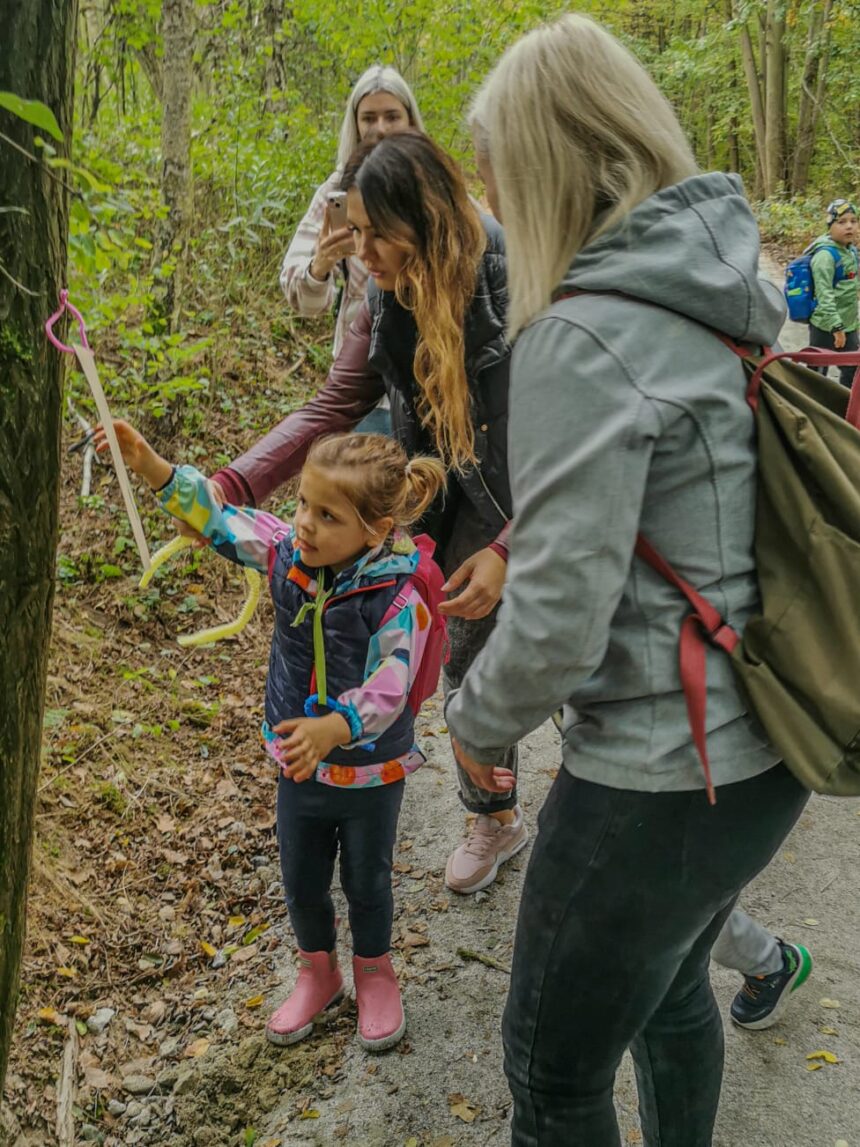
314 821
824 339
625 894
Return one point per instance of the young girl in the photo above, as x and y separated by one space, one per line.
350 630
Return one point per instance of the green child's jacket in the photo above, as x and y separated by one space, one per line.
836 306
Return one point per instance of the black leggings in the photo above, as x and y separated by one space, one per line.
824 339
624 896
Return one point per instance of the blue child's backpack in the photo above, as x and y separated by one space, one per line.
799 289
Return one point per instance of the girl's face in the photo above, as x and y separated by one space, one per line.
328 531
383 258
381 112
844 230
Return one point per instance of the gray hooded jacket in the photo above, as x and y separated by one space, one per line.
627 417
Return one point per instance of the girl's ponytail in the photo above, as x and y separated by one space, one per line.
424 478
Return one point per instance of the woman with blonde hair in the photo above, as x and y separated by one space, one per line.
627 415
380 102
431 337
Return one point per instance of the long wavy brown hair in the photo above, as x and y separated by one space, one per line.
415 196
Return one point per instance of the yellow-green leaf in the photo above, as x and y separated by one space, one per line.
33 112
826 1003
80 940
311 1113
827 1056
254 1002
235 921
49 1016
208 948
69 973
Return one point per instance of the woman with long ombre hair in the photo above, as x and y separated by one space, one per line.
430 336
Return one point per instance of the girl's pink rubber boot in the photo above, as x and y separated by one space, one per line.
381 1021
319 986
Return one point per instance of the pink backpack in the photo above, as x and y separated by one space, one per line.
429 580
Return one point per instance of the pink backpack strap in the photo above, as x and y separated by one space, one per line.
704 623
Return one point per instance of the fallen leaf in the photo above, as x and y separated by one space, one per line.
197 1048
79 940
462 1108
208 948
810 922
779 1041
413 940
825 1003
814 1066
98 1079
165 823
50 1016
254 1002
841 1142
235 921
790 857
69 973
827 1056
828 1031
311 1113
177 858
244 954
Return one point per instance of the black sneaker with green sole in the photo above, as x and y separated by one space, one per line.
762 999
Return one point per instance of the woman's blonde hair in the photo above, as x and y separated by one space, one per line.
376 79
373 472
577 134
416 197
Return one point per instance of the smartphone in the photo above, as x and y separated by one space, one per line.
337 210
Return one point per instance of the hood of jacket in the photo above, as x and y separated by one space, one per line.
692 248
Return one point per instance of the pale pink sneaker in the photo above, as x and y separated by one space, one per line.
381 1020
475 863
319 986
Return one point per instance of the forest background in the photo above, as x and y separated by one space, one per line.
201 129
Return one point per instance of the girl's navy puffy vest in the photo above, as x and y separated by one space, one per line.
348 625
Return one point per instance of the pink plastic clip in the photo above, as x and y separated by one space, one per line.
65 305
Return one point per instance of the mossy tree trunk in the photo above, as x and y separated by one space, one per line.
36 63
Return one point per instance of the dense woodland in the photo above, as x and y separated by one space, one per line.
197 135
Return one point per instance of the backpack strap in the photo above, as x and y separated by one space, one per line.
705 623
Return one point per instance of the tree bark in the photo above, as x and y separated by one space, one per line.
756 104
774 111
37 62
177 27
812 91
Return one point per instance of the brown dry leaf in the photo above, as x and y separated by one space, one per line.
462 1108
165 823
177 858
242 954
413 940
197 1048
98 1079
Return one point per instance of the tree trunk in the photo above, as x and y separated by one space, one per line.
37 62
774 110
734 148
177 26
756 104
812 90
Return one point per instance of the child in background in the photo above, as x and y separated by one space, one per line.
350 631
834 322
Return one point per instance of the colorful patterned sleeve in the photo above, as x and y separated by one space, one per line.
393 658
242 535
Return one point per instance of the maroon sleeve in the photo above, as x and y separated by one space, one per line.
501 545
351 391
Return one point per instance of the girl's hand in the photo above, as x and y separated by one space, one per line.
136 452
485 572
839 339
490 777
310 740
332 246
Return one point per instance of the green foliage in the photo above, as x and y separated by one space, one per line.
33 112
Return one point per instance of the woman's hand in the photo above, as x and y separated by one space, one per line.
839 340
485 572
332 246
490 777
310 740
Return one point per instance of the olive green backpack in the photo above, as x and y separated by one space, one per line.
799 659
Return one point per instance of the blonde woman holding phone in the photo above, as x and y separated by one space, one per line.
322 252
